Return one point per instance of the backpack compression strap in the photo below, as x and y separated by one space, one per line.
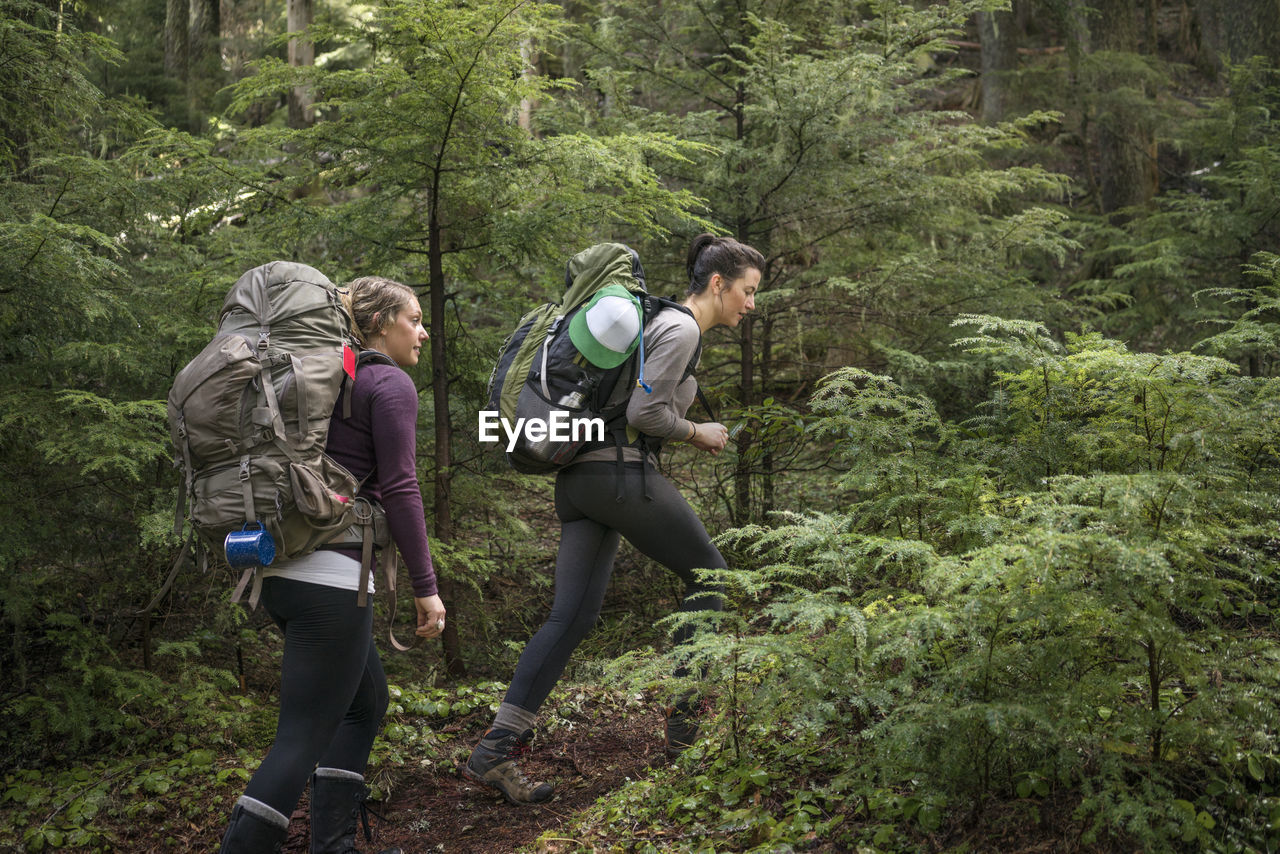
390 566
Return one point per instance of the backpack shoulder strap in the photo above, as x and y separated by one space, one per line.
364 357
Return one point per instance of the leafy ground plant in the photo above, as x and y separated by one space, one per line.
1061 609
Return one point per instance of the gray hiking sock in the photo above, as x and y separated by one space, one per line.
513 718
339 774
263 811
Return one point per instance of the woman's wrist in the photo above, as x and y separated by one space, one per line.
693 431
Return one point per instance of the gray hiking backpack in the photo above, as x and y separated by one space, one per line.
249 416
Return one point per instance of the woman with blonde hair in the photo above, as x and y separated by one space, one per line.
333 693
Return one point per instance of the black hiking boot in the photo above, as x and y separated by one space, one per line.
255 828
493 764
681 729
337 801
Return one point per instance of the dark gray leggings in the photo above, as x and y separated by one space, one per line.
664 528
333 692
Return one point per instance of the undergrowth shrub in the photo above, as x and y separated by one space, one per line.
94 699
1068 596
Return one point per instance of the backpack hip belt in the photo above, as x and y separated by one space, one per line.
371 531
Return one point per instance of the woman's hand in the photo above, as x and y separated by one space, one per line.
710 436
430 616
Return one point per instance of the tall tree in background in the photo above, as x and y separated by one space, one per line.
1127 153
998 34
204 59
1233 31
192 54
175 39
302 51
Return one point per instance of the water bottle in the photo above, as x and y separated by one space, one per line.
573 400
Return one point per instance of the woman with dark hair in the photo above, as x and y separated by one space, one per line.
333 693
596 511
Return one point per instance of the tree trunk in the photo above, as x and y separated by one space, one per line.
524 118
766 376
1074 20
1126 140
302 52
746 437
1151 27
742 511
998 36
204 58
746 375
442 488
204 25
175 39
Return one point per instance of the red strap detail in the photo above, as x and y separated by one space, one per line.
349 360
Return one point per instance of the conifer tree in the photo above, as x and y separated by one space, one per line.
84 460
873 212
419 167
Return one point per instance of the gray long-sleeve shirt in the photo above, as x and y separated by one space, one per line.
670 340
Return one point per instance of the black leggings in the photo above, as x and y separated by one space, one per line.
333 692
591 522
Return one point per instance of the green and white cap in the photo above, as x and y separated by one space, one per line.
607 329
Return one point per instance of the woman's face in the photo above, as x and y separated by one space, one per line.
736 298
402 340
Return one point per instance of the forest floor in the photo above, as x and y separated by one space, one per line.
593 751
433 808
439 810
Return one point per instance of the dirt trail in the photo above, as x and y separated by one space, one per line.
437 810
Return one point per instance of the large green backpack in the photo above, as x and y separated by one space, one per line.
541 375
249 416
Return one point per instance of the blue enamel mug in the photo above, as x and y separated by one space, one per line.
250 546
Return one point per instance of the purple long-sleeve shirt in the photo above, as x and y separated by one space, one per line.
380 438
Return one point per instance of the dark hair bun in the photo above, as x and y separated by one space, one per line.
701 242
709 254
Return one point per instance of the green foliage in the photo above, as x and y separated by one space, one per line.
172 743
1071 591
85 453
450 162
1026 581
1254 335
1164 271
415 718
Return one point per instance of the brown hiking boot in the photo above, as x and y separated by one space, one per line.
681 729
493 764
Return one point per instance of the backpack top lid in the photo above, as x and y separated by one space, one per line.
607 330
251 294
598 266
